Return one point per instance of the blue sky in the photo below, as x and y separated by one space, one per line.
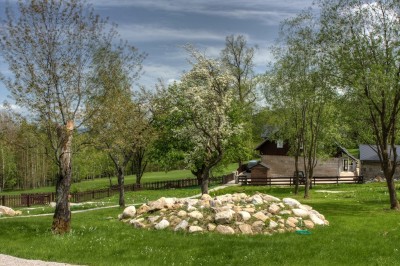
161 27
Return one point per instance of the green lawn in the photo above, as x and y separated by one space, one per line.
100 183
362 231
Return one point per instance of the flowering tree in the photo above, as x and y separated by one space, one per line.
203 101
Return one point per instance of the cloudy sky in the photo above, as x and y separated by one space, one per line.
161 27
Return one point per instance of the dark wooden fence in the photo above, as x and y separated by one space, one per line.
27 200
316 180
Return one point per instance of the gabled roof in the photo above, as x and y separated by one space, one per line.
262 164
370 152
345 151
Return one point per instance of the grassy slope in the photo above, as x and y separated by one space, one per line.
362 232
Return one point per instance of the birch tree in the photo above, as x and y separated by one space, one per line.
48 47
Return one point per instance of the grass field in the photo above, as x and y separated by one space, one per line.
362 231
100 183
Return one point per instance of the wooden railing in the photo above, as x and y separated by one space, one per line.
27 200
271 181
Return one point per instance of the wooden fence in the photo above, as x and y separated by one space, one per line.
27 200
316 180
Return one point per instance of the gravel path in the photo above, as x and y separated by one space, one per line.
6 260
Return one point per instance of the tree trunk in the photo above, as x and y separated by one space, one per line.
204 181
62 214
121 182
394 203
199 172
296 176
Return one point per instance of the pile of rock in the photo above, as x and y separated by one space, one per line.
227 214
6 211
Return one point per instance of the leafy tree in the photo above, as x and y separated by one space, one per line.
202 102
361 40
48 47
119 125
238 59
298 89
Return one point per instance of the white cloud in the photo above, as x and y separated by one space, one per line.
153 32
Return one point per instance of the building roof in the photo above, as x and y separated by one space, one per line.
345 151
370 152
262 164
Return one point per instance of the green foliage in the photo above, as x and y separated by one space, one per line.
99 238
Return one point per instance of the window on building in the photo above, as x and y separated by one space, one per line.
279 144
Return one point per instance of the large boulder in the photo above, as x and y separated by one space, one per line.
223 217
162 225
224 229
291 202
196 215
300 213
129 212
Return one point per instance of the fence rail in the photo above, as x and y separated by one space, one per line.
289 180
27 200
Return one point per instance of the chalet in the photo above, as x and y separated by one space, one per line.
278 163
370 163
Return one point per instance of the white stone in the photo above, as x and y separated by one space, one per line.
157 204
293 220
143 209
316 220
274 208
196 215
182 213
194 229
223 229
257 226
269 198
244 215
129 212
245 229
273 224
257 200
182 225
285 212
300 213
211 227
153 219
169 202
291 202
162 225
7 211
191 208
308 224
206 197
223 217
305 207
260 216
52 204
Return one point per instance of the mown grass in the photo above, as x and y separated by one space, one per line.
100 183
362 231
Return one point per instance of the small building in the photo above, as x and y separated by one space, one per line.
275 155
370 162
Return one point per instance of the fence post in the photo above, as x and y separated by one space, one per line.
28 199
3 200
337 180
92 194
